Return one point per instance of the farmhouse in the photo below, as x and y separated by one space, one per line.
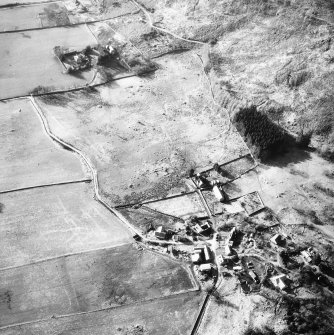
160 233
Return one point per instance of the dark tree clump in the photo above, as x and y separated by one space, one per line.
264 137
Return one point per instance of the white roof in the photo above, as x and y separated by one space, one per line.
195 258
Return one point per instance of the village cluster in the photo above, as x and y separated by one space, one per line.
265 257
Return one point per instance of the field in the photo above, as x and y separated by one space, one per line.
148 132
182 207
60 13
32 16
144 218
88 281
28 156
173 315
53 221
27 63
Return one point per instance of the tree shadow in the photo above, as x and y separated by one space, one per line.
290 156
219 299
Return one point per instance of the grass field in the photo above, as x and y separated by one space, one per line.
28 156
28 60
53 221
170 316
88 281
148 132
32 16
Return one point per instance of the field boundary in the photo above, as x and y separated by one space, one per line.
19 4
62 256
85 180
29 95
62 25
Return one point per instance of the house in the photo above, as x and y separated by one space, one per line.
254 276
200 181
137 237
176 238
228 250
201 228
218 193
232 234
222 260
197 229
207 255
205 226
277 240
279 281
205 267
196 256
306 256
237 268
160 233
